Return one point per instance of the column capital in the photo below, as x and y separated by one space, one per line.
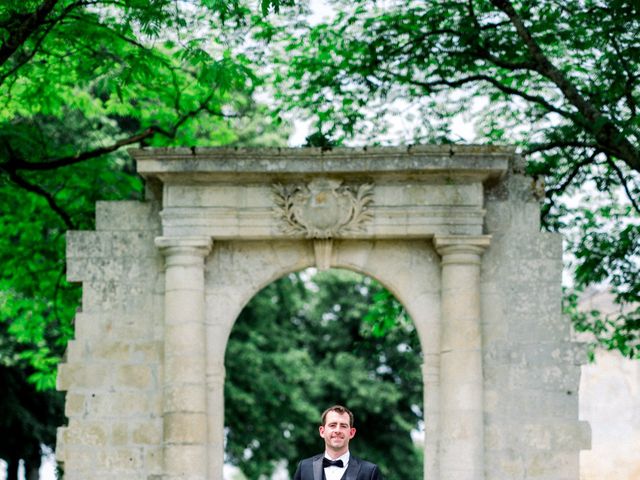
169 245
461 249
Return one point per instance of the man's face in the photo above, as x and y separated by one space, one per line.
337 432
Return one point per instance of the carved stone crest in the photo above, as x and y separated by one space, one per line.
323 208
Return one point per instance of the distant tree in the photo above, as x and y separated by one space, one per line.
558 79
302 345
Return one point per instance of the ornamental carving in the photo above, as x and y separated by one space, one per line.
323 208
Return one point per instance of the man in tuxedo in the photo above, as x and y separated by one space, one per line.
336 463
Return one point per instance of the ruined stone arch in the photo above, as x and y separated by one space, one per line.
453 232
365 257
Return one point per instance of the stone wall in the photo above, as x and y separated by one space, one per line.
113 366
531 366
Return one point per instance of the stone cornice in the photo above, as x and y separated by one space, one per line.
479 162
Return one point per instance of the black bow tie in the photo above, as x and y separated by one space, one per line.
331 463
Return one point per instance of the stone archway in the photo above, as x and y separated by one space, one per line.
452 231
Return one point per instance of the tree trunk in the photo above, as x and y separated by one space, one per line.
32 468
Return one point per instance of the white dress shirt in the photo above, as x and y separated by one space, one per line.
335 473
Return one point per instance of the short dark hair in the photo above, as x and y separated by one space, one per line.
337 408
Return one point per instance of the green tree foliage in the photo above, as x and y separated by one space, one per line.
558 79
300 346
79 82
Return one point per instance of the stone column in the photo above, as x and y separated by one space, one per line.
461 380
184 387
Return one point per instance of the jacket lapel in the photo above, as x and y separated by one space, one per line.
352 470
317 468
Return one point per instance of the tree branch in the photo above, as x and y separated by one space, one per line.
20 164
23 27
623 182
16 163
408 46
559 144
572 174
27 57
18 180
485 53
609 137
485 78
631 77
552 193
124 38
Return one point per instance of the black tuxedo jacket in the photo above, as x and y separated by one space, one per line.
311 469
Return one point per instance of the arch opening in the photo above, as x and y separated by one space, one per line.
312 339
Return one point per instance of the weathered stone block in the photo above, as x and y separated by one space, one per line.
120 404
136 376
83 376
120 459
112 351
185 460
185 398
153 458
80 461
185 428
74 405
126 215
86 433
149 352
147 433
184 371
119 434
